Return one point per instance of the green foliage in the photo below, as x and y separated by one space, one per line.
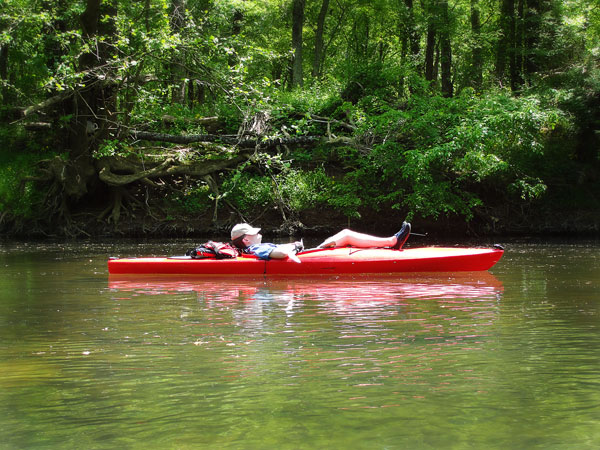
439 155
17 197
249 193
302 190
109 147
195 199
313 99
346 196
411 149
293 190
374 80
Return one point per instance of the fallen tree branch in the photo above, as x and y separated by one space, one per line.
46 103
112 179
37 126
328 121
108 167
168 119
184 139
242 142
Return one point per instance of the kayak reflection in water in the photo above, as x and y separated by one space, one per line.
249 240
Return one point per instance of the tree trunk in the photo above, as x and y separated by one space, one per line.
517 60
446 53
505 44
476 53
147 15
236 28
4 72
238 18
532 30
413 37
436 62
360 38
93 107
297 24
319 42
430 51
178 74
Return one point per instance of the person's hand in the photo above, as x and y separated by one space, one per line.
293 257
299 246
284 251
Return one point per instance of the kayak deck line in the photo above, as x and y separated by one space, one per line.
345 260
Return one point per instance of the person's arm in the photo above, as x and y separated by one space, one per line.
283 251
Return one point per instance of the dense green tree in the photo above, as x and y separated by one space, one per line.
120 106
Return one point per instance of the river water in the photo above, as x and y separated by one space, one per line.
508 358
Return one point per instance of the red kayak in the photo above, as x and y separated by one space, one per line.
347 260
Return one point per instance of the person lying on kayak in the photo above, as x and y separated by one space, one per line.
351 238
248 239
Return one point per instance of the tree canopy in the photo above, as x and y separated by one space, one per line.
159 111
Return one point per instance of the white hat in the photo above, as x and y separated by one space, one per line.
241 229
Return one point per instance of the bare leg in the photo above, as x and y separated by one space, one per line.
355 239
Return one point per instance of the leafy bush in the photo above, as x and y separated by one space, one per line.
17 198
439 155
249 192
291 189
195 199
304 190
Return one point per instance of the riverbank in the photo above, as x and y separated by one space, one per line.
310 223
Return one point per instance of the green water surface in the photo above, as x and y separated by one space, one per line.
508 359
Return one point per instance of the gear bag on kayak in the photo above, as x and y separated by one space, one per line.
212 250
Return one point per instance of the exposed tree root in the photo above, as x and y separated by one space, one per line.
69 182
120 171
122 202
